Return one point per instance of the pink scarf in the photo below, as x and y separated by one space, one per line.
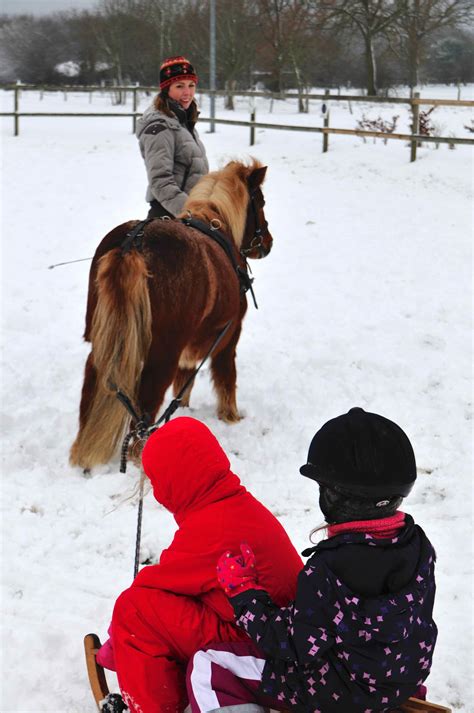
385 527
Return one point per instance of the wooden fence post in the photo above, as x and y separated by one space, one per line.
415 125
16 120
134 120
252 127
326 123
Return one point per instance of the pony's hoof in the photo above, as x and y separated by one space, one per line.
230 416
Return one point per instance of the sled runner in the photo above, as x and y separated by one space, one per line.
105 701
100 689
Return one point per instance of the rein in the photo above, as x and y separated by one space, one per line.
143 430
244 278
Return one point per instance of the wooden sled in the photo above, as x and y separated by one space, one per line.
100 689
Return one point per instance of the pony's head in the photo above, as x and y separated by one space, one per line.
234 197
257 240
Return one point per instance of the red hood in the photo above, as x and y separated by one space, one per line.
187 467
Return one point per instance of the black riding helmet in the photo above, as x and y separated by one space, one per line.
364 465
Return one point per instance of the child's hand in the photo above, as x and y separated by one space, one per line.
236 573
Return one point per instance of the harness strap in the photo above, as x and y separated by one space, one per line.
134 237
142 427
244 278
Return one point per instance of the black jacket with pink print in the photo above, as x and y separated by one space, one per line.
360 635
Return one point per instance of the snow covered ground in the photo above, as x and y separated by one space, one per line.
365 300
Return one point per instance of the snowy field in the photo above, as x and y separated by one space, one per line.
365 300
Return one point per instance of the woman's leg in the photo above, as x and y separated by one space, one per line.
157 211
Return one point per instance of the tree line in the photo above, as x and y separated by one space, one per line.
275 44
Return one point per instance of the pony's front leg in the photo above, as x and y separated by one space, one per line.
224 376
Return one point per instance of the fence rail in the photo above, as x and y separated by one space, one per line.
415 101
379 99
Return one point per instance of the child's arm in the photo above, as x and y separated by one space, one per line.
297 632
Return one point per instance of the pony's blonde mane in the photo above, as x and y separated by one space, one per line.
224 195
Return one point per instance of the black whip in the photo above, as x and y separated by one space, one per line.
69 262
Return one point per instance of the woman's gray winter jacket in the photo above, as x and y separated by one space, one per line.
175 159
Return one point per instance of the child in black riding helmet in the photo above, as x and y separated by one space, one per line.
360 635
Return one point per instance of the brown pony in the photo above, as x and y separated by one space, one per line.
154 310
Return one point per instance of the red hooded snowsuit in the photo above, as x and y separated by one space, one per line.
176 607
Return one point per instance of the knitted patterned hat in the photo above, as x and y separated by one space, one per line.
175 68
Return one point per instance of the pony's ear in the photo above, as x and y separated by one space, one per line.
256 178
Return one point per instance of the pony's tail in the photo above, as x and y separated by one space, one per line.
120 337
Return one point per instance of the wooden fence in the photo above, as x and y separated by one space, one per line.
414 139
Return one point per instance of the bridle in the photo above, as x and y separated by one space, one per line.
257 241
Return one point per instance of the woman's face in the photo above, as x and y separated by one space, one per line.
183 92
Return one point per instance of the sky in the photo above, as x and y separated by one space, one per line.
43 7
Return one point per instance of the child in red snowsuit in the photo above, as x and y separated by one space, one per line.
177 606
359 636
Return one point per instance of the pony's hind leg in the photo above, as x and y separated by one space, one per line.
79 450
224 376
182 376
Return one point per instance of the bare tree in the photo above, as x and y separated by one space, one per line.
271 27
163 22
372 19
305 23
192 36
133 37
33 47
420 20
288 30
83 46
450 58
236 42
112 35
